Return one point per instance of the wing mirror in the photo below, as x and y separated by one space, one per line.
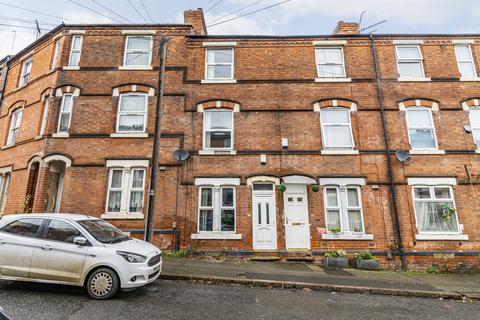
81 241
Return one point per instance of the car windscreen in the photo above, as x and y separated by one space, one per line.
103 231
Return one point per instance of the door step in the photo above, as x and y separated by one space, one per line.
300 258
265 258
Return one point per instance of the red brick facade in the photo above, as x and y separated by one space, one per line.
274 94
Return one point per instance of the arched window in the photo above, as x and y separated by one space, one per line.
132 113
218 129
474 115
421 129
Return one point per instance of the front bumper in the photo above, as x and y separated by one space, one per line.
140 275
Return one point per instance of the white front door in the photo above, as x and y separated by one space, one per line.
264 216
297 226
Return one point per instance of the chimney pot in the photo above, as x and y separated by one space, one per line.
346 28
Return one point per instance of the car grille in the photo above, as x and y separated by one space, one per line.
153 275
154 260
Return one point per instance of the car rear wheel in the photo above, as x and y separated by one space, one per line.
102 284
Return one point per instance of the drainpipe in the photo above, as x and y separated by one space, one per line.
393 197
4 84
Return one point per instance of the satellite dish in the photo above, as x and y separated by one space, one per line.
402 155
181 155
467 129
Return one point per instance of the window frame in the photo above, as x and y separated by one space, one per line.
4 190
415 109
475 130
137 50
70 113
24 76
317 64
322 127
433 199
136 113
125 189
232 130
217 208
416 60
232 64
46 110
471 61
56 55
72 51
343 207
15 123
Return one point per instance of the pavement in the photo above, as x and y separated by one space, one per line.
165 299
295 275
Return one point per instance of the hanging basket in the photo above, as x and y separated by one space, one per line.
282 188
315 188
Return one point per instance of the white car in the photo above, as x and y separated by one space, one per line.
75 250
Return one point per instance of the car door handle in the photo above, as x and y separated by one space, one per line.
46 247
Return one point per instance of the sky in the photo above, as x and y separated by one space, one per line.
294 17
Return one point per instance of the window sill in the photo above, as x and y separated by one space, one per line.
20 87
442 237
433 151
135 68
413 79
8 146
340 152
129 135
333 80
123 216
71 68
39 137
216 236
217 152
210 81
470 79
61 135
347 236
477 151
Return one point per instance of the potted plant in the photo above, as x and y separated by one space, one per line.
447 213
365 260
336 259
335 230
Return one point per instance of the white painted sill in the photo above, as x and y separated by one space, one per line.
426 236
347 236
8 146
129 135
135 68
218 81
216 236
333 80
413 79
470 79
217 152
340 152
60 135
477 151
71 68
123 216
433 151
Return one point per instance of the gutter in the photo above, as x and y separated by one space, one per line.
393 197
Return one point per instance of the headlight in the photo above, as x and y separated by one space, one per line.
132 257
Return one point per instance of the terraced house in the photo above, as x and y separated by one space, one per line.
297 144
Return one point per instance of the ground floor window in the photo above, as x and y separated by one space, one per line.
343 207
435 209
125 190
216 211
4 186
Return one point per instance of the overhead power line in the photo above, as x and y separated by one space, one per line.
27 21
146 10
214 5
237 11
39 12
138 12
110 10
248 13
94 11
24 27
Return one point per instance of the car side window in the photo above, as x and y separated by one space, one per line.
61 231
23 227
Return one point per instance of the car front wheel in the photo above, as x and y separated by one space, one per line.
102 284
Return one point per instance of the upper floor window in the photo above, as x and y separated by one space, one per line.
125 190
75 51
65 117
218 129
138 51
343 207
430 203
421 130
46 108
132 113
14 126
26 70
216 210
336 128
4 185
410 61
330 62
466 66
219 63
55 55
474 115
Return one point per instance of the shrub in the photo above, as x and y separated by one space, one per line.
336 254
364 255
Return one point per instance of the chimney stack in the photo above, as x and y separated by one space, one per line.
346 28
197 20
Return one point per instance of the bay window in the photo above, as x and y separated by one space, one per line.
125 190
14 126
410 61
474 115
75 51
330 62
218 129
138 51
65 117
56 55
216 210
132 113
44 117
421 130
343 208
336 128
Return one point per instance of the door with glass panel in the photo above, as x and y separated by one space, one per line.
264 217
